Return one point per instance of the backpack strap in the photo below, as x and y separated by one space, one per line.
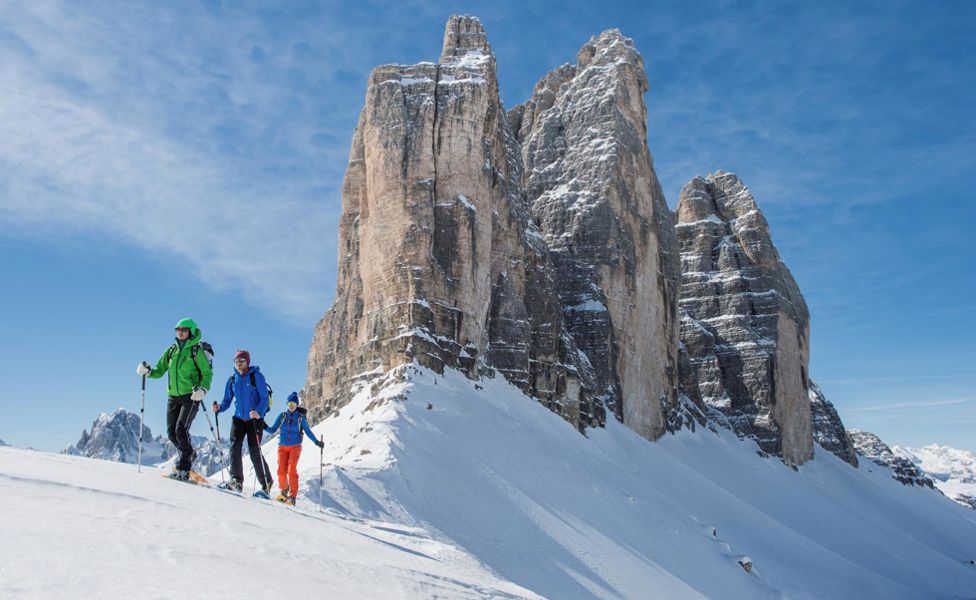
298 423
194 349
254 384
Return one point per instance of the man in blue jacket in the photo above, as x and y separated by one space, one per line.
248 387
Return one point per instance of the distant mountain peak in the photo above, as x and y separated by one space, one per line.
115 436
952 469
870 446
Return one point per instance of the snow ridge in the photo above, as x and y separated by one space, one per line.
480 465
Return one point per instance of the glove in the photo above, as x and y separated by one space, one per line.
320 444
198 394
143 368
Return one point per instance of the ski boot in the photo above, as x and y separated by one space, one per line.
232 485
264 493
180 475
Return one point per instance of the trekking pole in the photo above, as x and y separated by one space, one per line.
222 468
321 463
220 448
142 419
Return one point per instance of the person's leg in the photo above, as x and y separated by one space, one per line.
188 411
294 455
172 414
283 469
238 429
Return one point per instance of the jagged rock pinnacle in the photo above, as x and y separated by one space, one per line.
440 261
745 324
464 34
591 181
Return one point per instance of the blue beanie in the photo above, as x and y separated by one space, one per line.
293 397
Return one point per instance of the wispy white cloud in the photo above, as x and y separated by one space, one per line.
914 404
859 380
191 136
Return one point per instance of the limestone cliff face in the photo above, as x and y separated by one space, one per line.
746 326
439 260
595 196
828 429
537 245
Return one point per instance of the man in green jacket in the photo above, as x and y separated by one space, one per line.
190 374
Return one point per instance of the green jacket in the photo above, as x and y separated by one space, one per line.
183 375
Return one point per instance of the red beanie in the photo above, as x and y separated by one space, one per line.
243 354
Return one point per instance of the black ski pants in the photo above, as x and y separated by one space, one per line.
179 416
253 430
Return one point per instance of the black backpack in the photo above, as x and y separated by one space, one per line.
195 349
254 384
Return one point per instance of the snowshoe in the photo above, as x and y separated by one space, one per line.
187 477
282 496
290 501
198 479
262 494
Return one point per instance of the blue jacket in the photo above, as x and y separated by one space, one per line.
292 424
248 397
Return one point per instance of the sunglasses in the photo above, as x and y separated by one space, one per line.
187 329
240 361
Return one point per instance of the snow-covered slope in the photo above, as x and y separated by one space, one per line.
486 494
80 528
616 516
953 470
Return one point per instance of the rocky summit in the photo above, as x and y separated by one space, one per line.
594 193
536 245
745 324
568 291
440 261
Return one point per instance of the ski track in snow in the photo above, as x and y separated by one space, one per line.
486 494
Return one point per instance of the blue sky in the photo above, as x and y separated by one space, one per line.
162 160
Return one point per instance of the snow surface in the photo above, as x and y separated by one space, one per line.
614 516
75 527
482 493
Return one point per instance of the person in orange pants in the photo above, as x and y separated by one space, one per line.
292 423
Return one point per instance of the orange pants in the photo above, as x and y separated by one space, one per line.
288 468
